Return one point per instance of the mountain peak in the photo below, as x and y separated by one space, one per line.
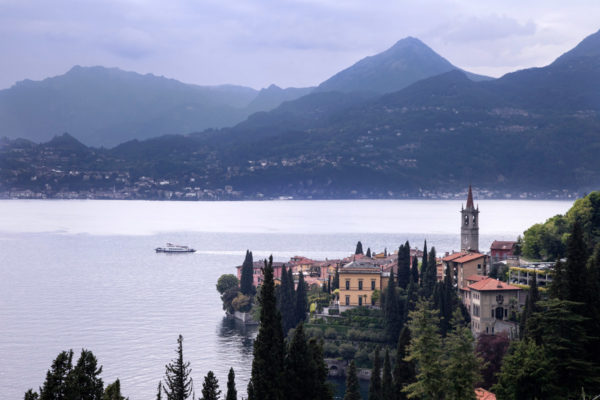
588 47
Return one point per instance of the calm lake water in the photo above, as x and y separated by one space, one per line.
83 274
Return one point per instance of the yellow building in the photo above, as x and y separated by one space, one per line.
358 281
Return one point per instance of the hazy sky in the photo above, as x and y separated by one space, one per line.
286 42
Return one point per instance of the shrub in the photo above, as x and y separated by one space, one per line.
347 351
330 350
330 333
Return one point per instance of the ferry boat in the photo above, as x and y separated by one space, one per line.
174 248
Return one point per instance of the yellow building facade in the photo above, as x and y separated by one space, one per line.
358 281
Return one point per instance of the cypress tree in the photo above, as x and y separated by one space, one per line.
448 303
368 252
84 380
404 371
178 383
352 386
210 387
424 265
247 278
430 275
336 279
387 383
113 391
559 286
403 265
575 267
267 365
412 295
425 350
55 384
301 299
286 301
359 248
414 271
391 311
530 307
298 377
320 387
231 391
375 384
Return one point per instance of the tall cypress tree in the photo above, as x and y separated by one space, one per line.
267 365
231 390
336 279
404 371
430 275
414 271
247 278
298 376
178 382
391 311
575 267
352 386
286 301
424 265
210 387
448 303
368 252
359 248
387 382
530 308
403 265
301 299
375 384
113 391
159 391
320 387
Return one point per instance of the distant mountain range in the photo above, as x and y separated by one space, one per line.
531 131
107 106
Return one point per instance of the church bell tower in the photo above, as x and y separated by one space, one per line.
469 228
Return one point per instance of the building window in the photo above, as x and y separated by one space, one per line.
492 313
499 299
360 287
478 266
373 284
347 300
360 300
347 285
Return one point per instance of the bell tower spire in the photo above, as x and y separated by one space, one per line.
469 229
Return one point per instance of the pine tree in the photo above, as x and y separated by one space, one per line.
462 366
113 391
526 373
159 391
375 384
424 265
178 383
247 278
391 311
425 350
414 271
404 371
267 365
387 383
359 248
231 391
352 386
210 387
31 395
84 382
55 384
301 299
404 265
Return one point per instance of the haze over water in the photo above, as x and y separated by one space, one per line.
83 274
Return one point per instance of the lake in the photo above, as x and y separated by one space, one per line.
84 274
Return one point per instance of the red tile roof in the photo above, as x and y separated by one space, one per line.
454 256
476 278
502 245
490 284
482 394
469 257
